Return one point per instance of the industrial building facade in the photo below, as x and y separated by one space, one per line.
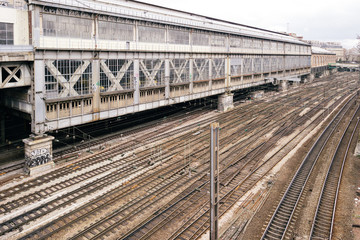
68 62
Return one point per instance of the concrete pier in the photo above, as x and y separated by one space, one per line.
225 102
284 85
38 154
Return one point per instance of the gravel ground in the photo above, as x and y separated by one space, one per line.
348 209
259 221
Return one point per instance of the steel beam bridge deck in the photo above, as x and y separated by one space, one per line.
93 60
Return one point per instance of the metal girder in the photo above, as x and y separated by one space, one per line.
247 64
67 86
115 80
236 66
200 70
179 71
12 80
218 67
150 76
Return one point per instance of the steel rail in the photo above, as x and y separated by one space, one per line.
110 198
277 227
229 196
162 223
329 192
28 216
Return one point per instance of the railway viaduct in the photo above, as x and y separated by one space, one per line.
64 62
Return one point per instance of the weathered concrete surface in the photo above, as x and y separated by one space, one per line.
225 102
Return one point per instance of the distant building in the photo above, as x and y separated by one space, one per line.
334 47
320 59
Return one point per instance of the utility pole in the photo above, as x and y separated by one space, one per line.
214 181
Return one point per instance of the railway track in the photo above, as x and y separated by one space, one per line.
11 168
146 235
281 219
92 160
198 220
257 123
115 171
79 166
190 114
140 184
322 225
68 154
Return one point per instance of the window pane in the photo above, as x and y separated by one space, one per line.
64 26
2 34
6 33
10 34
10 27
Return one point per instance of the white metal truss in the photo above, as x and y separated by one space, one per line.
275 63
266 64
247 62
14 76
236 66
150 75
67 86
115 80
218 68
257 65
200 69
235 70
179 71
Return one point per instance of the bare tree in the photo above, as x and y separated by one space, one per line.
347 53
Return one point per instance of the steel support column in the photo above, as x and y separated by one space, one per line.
191 70
227 73
214 181
136 82
96 89
39 108
242 69
167 79
211 62
252 67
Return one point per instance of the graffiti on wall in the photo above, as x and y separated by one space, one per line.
38 157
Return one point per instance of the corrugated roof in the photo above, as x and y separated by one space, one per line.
153 13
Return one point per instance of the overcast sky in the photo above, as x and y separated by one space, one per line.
322 20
